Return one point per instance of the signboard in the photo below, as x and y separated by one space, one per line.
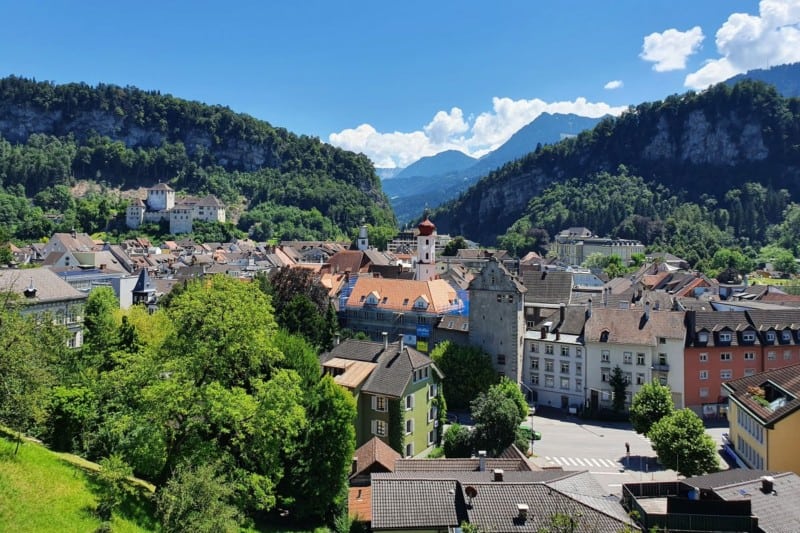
423 330
422 345
410 340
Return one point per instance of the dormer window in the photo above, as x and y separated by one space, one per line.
702 336
786 336
421 303
770 336
725 337
604 336
405 301
748 336
373 298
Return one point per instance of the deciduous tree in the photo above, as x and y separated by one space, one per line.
652 403
467 371
682 444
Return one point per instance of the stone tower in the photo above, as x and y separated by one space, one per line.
426 251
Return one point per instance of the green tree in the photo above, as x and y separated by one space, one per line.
782 259
512 390
457 441
456 243
652 403
467 371
726 258
113 485
619 384
101 330
497 418
614 267
682 444
197 498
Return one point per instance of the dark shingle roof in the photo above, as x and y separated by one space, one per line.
414 504
786 378
777 512
724 478
630 326
548 287
460 465
49 287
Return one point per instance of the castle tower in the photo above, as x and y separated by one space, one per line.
363 242
134 215
426 251
160 197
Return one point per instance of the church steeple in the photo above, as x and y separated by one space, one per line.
426 250
363 240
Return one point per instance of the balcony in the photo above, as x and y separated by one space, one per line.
659 367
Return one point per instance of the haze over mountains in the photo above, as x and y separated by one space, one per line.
432 180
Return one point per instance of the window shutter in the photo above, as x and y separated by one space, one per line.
374 426
374 404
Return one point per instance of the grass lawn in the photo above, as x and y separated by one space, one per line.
40 491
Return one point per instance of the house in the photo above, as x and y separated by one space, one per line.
498 495
574 245
397 390
554 362
374 456
397 307
738 499
644 343
42 294
764 418
496 318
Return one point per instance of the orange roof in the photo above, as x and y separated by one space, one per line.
359 503
355 372
652 280
400 294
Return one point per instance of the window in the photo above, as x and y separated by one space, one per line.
534 363
725 337
639 378
565 367
565 351
749 371
605 356
604 336
725 374
409 426
628 377
534 347
703 357
771 356
379 403
548 365
663 380
704 392
770 336
662 340
379 428
605 374
702 336
749 356
640 359
499 297
578 369
725 356
578 352
501 359
704 374
409 402
787 355
431 437
410 449
548 349
549 381
627 358
534 379
786 336
748 336
578 385
565 383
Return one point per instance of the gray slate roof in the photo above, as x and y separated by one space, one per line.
49 286
548 287
778 512
411 504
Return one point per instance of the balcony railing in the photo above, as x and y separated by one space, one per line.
660 367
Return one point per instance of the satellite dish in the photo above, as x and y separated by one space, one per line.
471 491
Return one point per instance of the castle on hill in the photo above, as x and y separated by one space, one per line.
160 205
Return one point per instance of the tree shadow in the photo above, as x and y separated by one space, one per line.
641 463
137 503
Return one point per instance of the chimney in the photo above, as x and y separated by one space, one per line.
522 511
402 343
562 313
606 290
558 335
498 474
589 309
338 339
482 460
647 310
767 482
544 332
354 465
386 340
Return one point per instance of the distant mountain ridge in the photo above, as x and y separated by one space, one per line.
434 165
703 143
785 78
409 193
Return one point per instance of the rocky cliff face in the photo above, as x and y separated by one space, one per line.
692 148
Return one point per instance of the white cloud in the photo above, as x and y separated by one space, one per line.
613 84
747 42
475 136
669 49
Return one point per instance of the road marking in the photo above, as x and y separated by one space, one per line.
579 461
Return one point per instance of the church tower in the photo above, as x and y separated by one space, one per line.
363 241
426 251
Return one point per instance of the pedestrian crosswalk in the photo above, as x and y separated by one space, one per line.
584 462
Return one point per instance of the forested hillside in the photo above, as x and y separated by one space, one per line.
731 152
53 135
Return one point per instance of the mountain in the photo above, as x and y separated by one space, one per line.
387 173
290 186
785 78
434 165
410 193
695 144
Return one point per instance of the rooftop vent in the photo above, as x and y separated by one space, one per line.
482 460
767 483
498 474
30 290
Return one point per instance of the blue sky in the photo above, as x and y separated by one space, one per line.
401 80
